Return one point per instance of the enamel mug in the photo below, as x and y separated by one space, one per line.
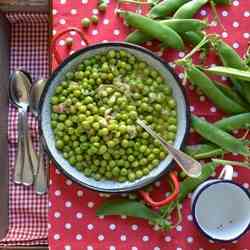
221 207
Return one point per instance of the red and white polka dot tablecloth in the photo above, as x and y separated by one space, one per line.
73 224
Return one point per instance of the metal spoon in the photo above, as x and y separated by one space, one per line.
19 94
190 166
41 183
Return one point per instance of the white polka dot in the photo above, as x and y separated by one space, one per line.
106 21
116 32
90 248
63 1
223 78
191 108
235 174
157 184
181 75
58 192
236 24
112 248
79 215
123 217
95 11
67 247
236 45
91 204
112 227
156 228
246 35
90 227
79 193
68 204
167 238
134 248
214 23
68 182
246 185
49 226
157 248
246 13
236 3
84 1
203 12
211 241
79 237
53 32
94 32
178 248
49 204
172 65
57 215
57 237
73 11
62 21
67 226
181 54
201 248
235 242
134 227
224 34
61 42
123 237
179 228
54 11
58 172
145 238
190 217
224 13
101 217
213 109
100 237
190 239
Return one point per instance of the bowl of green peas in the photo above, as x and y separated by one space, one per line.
88 114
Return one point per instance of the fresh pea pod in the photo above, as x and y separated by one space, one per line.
230 72
234 122
193 37
201 80
154 29
225 2
189 9
178 25
230 58
203 151
219 137
165 8
190 184
134 209
231 93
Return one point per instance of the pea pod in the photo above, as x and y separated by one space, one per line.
193 37
226 2
219 137
201 80
178 25
189 9
230 58
134 209
190 184
154 29
203 151
230 72
165 8
231 93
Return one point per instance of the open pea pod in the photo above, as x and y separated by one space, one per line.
230 72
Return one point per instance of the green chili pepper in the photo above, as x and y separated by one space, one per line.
154 29
134 209
190 184
231 93
203 151
189 9
201 80
219 137
165 8
230 72
178 25
230 58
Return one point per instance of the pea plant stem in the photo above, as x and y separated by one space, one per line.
234 163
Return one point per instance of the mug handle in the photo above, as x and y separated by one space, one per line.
226 173
54 50
156 204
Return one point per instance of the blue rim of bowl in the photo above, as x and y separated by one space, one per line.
122 45
195 202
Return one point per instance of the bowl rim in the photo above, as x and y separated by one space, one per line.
122 45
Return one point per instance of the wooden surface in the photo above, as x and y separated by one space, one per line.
4 84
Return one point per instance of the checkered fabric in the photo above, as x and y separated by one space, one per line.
29 51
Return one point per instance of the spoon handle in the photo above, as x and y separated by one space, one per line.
27 177
19 159
41 183
190 166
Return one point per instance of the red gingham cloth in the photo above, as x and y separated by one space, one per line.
27 211
72 220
